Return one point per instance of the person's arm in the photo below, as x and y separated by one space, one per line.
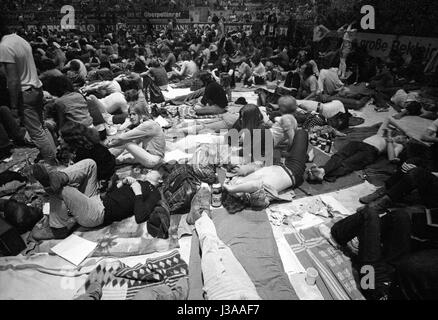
289 125
430 134
313 89
60 114
144 204
182 71
247 169
139 132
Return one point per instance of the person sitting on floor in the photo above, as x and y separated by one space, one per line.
356 155
187 70
377 223
259 185
215 98
146 131
84 143
283 130
78 187
69 105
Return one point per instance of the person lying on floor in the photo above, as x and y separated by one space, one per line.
334 112
370 224
84 143
78 187
224 276
259 185
356 155
145 131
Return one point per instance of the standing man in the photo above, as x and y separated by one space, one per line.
25 89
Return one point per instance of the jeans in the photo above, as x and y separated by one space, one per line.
297 157
354 156
224 276
33 121
80 201
8 127
401 185
382 240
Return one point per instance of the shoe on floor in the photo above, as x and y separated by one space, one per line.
373 196
52 180
200 203
43 231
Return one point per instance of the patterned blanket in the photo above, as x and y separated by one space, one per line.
122 239
120 282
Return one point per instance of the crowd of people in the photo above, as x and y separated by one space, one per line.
90 104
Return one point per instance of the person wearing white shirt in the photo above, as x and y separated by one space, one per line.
25 89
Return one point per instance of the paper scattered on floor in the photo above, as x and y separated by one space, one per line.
74 249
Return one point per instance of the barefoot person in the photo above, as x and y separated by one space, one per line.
357 155
259 185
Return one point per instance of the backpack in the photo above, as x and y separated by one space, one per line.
11 243
179 187
155 95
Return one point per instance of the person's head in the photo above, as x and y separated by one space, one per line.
401 139
225 60
75 65
78 136
256 60
131 95
154 177
250 117
287 105
154 63
58 85
4 29
306 70
138 112
414 108
185 56
205 77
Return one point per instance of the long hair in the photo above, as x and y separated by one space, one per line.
250 118
58 85
140 107
78 136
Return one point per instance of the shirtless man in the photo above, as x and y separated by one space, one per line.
357 155
260 185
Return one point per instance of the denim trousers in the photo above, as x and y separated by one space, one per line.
224 276
79 202
34 124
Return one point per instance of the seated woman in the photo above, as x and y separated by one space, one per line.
215 98
224 73
251 119
78 188
357 155
259 185
145 131
84 143
258 71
